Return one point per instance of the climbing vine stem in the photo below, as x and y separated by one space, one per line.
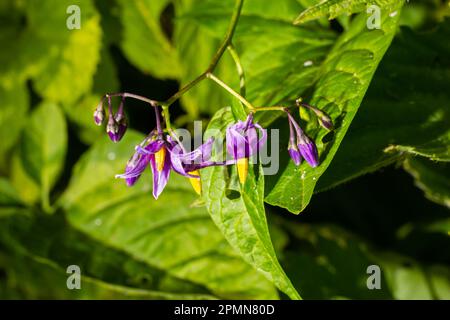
212 66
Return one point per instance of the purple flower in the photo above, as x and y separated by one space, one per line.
300 145
165 154
242 138
243 141
139 161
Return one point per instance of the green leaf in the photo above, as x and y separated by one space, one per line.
334 264
12 117
192 42
32 277
71 65
432 177
80 113
441 226
339 90
44 49
404 111
334 8
43 148
40 240
239 213
409 280
166 234
280 60
144 42
8 195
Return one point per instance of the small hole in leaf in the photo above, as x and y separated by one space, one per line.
328 137
232 194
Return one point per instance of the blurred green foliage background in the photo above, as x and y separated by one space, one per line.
60 206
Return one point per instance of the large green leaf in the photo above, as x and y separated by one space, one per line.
239 213
333 8
46 50
43 148
280 60
12 117
432 177
72 64
33 277
47 243
144 42
405 109
166 234
409 280
334 264
339 90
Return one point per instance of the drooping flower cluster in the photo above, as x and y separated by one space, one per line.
162 151
164 154
117 123
300 145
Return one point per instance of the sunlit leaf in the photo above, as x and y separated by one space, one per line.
280 60
166 234
333 8
339 90
405 109
144 42
239 213
43 148
72 62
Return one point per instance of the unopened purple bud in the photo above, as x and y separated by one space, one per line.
295 155
121 121
308 150
114 130
325 121
99 114
322 117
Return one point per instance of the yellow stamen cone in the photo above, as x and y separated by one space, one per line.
160 158
242 166
196 182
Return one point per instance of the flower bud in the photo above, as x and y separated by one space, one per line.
114 130
294 153
99 114
325 122
308 150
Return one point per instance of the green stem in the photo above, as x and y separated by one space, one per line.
239 68
273 108
215 60
153 103
184 89
228 36
231 91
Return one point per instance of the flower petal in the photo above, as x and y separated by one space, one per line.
160 178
